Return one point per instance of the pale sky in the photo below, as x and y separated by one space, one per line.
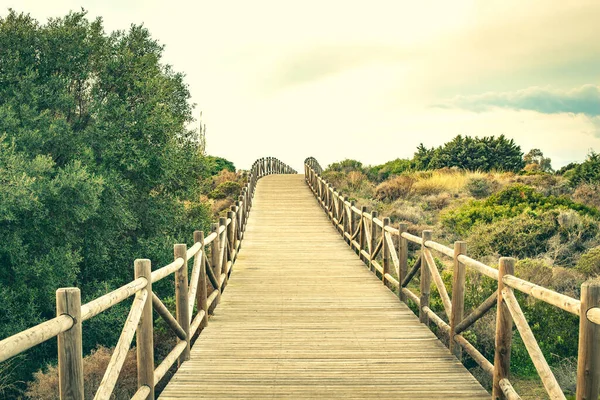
371 80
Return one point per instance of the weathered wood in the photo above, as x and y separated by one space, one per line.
508 390
439 283
413 271
386 252
223 242
181 298
477 313
166 270
169 360
373 240
588 359
109 380
216 263
166 315
302 318
362 237
458 296
425 279
70 351
201 293
144 335
33 336
546 295
475 354
537 357
503 338
440 248
479 266
402 258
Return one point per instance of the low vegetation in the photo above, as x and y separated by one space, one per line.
510 205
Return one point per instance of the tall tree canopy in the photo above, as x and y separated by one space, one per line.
97 166
472 153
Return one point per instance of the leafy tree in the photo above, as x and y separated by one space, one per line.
483 154
97 167
586 172
535 161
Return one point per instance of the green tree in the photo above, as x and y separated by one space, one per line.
97 167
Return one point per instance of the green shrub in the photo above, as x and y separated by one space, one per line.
345 166
586 172
510 202
589 263
525 235
380 173
480 187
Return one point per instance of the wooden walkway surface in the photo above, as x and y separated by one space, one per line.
302 317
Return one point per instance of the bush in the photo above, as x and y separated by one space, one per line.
521 236
480 187
589 263
382 172
586 172
45 384
345 166
395 188
355 180
510 202
588 194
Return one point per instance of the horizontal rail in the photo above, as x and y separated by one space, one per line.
546 295
439 247
479 266
412 238
167 270
19 342
103 303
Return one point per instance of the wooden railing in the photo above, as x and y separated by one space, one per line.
224 242
384 249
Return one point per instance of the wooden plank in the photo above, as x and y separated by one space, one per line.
302 318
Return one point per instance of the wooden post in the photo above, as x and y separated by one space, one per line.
425 279
373 240
588 359
224 256
458 296
386 251
70 351
231 231
362 236
216 261
352 222
144 335
181 298
504 324
201 294
402 258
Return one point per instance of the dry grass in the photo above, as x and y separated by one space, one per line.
45 384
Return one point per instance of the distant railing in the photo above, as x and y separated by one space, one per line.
224 242
376 240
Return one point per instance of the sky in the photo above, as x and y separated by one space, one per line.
371 80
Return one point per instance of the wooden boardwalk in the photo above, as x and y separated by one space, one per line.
302 317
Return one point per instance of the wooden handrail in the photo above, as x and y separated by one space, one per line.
189 292
395 241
